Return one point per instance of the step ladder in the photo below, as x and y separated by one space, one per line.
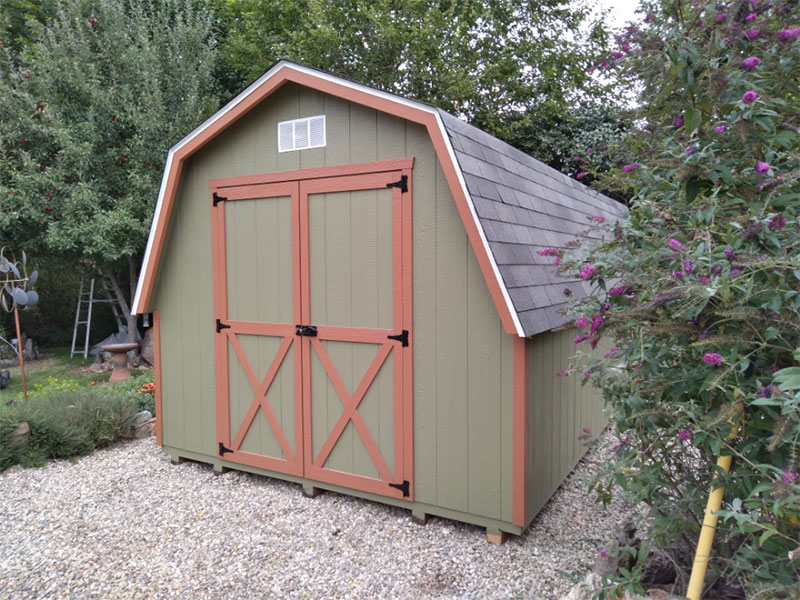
83 314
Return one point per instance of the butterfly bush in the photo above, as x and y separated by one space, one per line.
698 286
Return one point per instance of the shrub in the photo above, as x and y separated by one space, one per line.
64 424
698 286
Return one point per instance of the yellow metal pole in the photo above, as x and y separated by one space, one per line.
703 552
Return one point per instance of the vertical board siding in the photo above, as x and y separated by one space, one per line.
559 409
463 362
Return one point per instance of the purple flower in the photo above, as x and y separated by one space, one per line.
586 430
688 267
752 34
703 335
593 342
730 254
581 322
597 321
581 338
675 245
677 275
556 261
587 373
749 97
720 129
685 434
789 35
751 17
736 272
751 63
548 252
588 271
617 291
564 372
678 122
762 167
722 17
615 54
712 358
704 280
580 175
777 222
766 392
690 150
789 477
610 353
596 218
630 168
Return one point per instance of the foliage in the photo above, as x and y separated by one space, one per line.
64 424
50 386
485 60
698 286
87 115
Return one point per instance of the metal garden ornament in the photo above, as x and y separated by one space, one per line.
15 292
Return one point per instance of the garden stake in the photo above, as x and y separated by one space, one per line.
19 353
703 553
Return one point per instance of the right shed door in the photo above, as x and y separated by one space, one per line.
341 412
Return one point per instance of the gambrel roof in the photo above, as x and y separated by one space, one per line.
511 205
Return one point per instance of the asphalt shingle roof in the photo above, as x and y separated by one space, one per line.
523 205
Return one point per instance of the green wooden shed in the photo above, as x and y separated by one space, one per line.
346 293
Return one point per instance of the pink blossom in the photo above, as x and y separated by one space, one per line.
581 322
703 335
580 338
789 477
688 267
593 342
749 97
617 291
722 17
789 35
580 175
685 434
615 54
610 353
564 372
556 261
675 245
678 122
677 275
736 272
586 430
630 168
752 34
720 129
689 150
548 252
588 271
597 321
762 167
777 222
712 358
730 254
751 17
751 63
596 218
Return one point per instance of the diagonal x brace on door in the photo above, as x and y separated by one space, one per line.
351 407
260 398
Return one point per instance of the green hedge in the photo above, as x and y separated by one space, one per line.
67 423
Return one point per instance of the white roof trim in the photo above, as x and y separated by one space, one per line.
146 266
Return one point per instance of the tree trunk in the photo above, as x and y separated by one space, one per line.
123 303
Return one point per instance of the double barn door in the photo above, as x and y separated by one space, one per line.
312 281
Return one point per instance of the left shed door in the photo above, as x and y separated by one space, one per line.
255 237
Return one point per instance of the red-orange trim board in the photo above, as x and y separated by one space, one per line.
285 72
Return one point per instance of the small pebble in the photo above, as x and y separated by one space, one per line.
124 523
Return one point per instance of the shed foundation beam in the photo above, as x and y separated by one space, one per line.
419 517
495 536
309 491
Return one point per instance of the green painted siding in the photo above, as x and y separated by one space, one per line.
559 408
462 358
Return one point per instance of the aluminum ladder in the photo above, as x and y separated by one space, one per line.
83 314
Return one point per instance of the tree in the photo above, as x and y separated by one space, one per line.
86 118
697 288
488 60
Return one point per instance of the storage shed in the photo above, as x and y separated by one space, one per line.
346 293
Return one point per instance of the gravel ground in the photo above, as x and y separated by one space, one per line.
125 523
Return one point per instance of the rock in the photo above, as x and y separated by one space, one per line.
143 425
20 434
147 353
29 350
5 378
610 560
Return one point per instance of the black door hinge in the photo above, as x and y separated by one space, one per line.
401 337
307 330
223 449
221 326
218 199
402 184
403 487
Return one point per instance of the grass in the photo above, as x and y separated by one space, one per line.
56 364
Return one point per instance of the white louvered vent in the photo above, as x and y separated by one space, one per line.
300 134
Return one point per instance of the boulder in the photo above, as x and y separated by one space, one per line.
143 425
20 434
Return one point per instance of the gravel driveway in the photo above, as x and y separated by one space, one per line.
125 523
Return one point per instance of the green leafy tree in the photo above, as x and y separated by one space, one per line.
87 115
486 60
697 289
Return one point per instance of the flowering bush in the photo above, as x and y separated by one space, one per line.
704 308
